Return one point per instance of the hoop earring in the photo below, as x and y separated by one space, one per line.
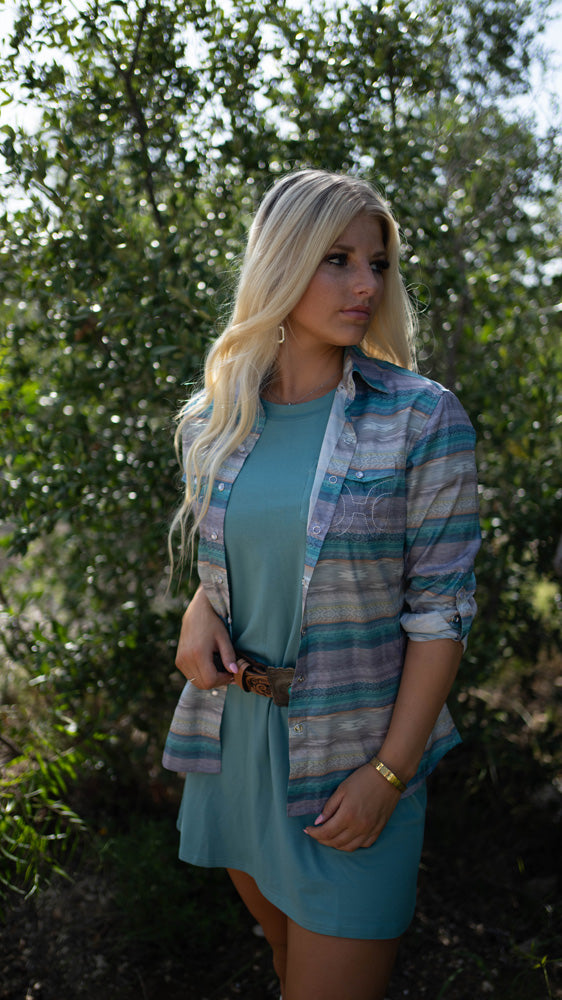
281 338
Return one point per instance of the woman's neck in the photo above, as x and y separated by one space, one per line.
298 379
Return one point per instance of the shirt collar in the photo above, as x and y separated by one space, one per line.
371 370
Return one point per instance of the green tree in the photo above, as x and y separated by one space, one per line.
159 121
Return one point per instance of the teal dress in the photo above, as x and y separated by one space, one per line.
238 818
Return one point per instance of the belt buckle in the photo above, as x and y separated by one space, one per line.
280 680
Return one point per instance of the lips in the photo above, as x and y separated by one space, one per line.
357 312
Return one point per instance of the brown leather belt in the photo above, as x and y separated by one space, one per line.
272 682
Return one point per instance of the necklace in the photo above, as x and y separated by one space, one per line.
293 402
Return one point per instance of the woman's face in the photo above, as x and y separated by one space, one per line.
337 307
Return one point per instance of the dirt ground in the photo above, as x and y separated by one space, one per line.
135 923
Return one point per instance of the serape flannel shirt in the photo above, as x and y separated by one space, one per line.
391 538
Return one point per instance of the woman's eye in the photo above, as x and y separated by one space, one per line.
378 266
341 259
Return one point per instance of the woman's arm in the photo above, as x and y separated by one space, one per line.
202 635
427 677
357 812
441 540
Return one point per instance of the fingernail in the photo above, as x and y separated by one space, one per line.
319 819
306 831
233 668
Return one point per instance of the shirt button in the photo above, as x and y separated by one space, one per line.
359 474
218 579
214 535
333 479
316 529
220 487
298 728
300 678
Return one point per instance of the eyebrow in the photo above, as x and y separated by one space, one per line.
349 249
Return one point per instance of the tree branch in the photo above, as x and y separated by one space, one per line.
138 114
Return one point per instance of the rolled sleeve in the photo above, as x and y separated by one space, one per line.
439 625
443 532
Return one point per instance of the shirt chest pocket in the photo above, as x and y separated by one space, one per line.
366 502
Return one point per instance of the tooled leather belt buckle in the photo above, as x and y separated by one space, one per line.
280 679
272 682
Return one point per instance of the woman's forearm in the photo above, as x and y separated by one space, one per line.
429 671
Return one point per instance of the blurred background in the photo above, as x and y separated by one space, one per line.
136 139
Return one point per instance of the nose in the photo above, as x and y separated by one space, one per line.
365 281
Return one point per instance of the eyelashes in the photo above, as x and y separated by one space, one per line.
341 259
380 265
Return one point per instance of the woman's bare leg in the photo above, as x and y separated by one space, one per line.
272 920
321 967
318 966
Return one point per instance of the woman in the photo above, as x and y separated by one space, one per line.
333 493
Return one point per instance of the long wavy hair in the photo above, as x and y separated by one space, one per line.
297 222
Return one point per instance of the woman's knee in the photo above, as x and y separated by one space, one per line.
279 960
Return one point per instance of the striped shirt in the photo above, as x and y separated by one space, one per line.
391 538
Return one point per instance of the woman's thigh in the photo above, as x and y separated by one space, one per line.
321 967
272 920
318 966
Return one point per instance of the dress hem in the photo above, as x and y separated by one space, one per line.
310 925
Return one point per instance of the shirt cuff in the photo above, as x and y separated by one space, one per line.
452 622
433 625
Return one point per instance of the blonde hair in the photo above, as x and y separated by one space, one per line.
297 222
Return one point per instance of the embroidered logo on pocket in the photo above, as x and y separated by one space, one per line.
363 507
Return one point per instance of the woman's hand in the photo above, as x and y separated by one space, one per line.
202 635
357 812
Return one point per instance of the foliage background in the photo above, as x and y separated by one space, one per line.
161 124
